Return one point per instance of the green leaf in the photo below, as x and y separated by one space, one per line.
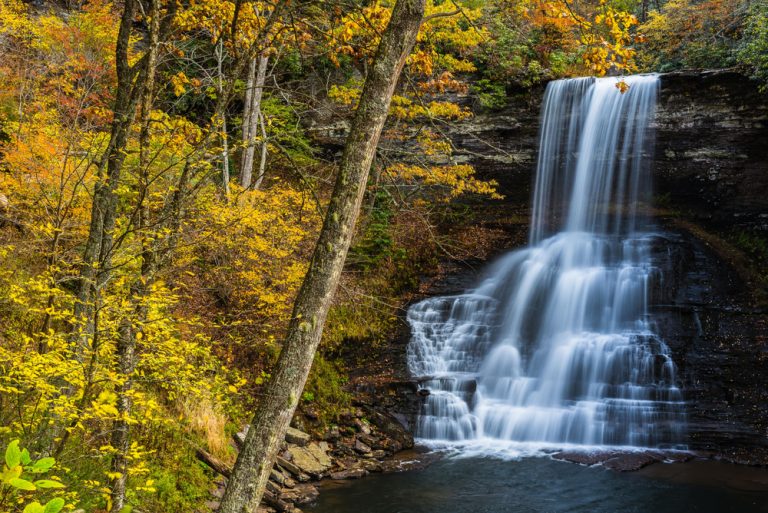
48 483
22 484
11 473
34 507
25 458
43 464
13 454
54 505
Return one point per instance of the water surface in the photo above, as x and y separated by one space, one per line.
542 485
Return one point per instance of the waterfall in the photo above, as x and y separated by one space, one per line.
555 345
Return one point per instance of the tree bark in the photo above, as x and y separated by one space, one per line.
263 160
224 139
273 415
98 247
257 76
126 343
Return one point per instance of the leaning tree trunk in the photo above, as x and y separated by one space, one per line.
274 413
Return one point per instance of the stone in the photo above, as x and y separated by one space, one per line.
297 437
362 426
353 473
307 494
312 459
293 469
272 487
372 465
344 448
277 477
362 448
368 439
332 434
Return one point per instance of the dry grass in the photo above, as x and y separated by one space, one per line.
206 421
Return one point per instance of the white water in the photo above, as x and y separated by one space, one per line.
555 346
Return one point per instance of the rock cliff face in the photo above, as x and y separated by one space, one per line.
711 178
711 182
712 148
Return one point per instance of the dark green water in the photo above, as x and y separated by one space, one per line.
542 485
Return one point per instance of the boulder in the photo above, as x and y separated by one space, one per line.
307 494
312 459
361 447
353 473
293 469
297 437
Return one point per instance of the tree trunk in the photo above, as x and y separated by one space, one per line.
257 75
263 160
98 247
273 415
126 343
224 139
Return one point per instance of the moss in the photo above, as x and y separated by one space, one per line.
325 392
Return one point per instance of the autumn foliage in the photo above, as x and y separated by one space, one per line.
194 275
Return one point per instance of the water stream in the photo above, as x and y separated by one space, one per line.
555 345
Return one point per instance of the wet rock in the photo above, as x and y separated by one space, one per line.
630 462
621 461
354 473
583 457
307 494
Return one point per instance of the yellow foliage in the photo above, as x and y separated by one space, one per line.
449 181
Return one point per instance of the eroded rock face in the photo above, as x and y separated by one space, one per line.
712 148
720 344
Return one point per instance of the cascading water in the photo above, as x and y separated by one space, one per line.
555 345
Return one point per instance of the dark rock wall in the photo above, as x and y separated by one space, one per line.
712 148
710 172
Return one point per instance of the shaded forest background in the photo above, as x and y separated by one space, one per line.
164 172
